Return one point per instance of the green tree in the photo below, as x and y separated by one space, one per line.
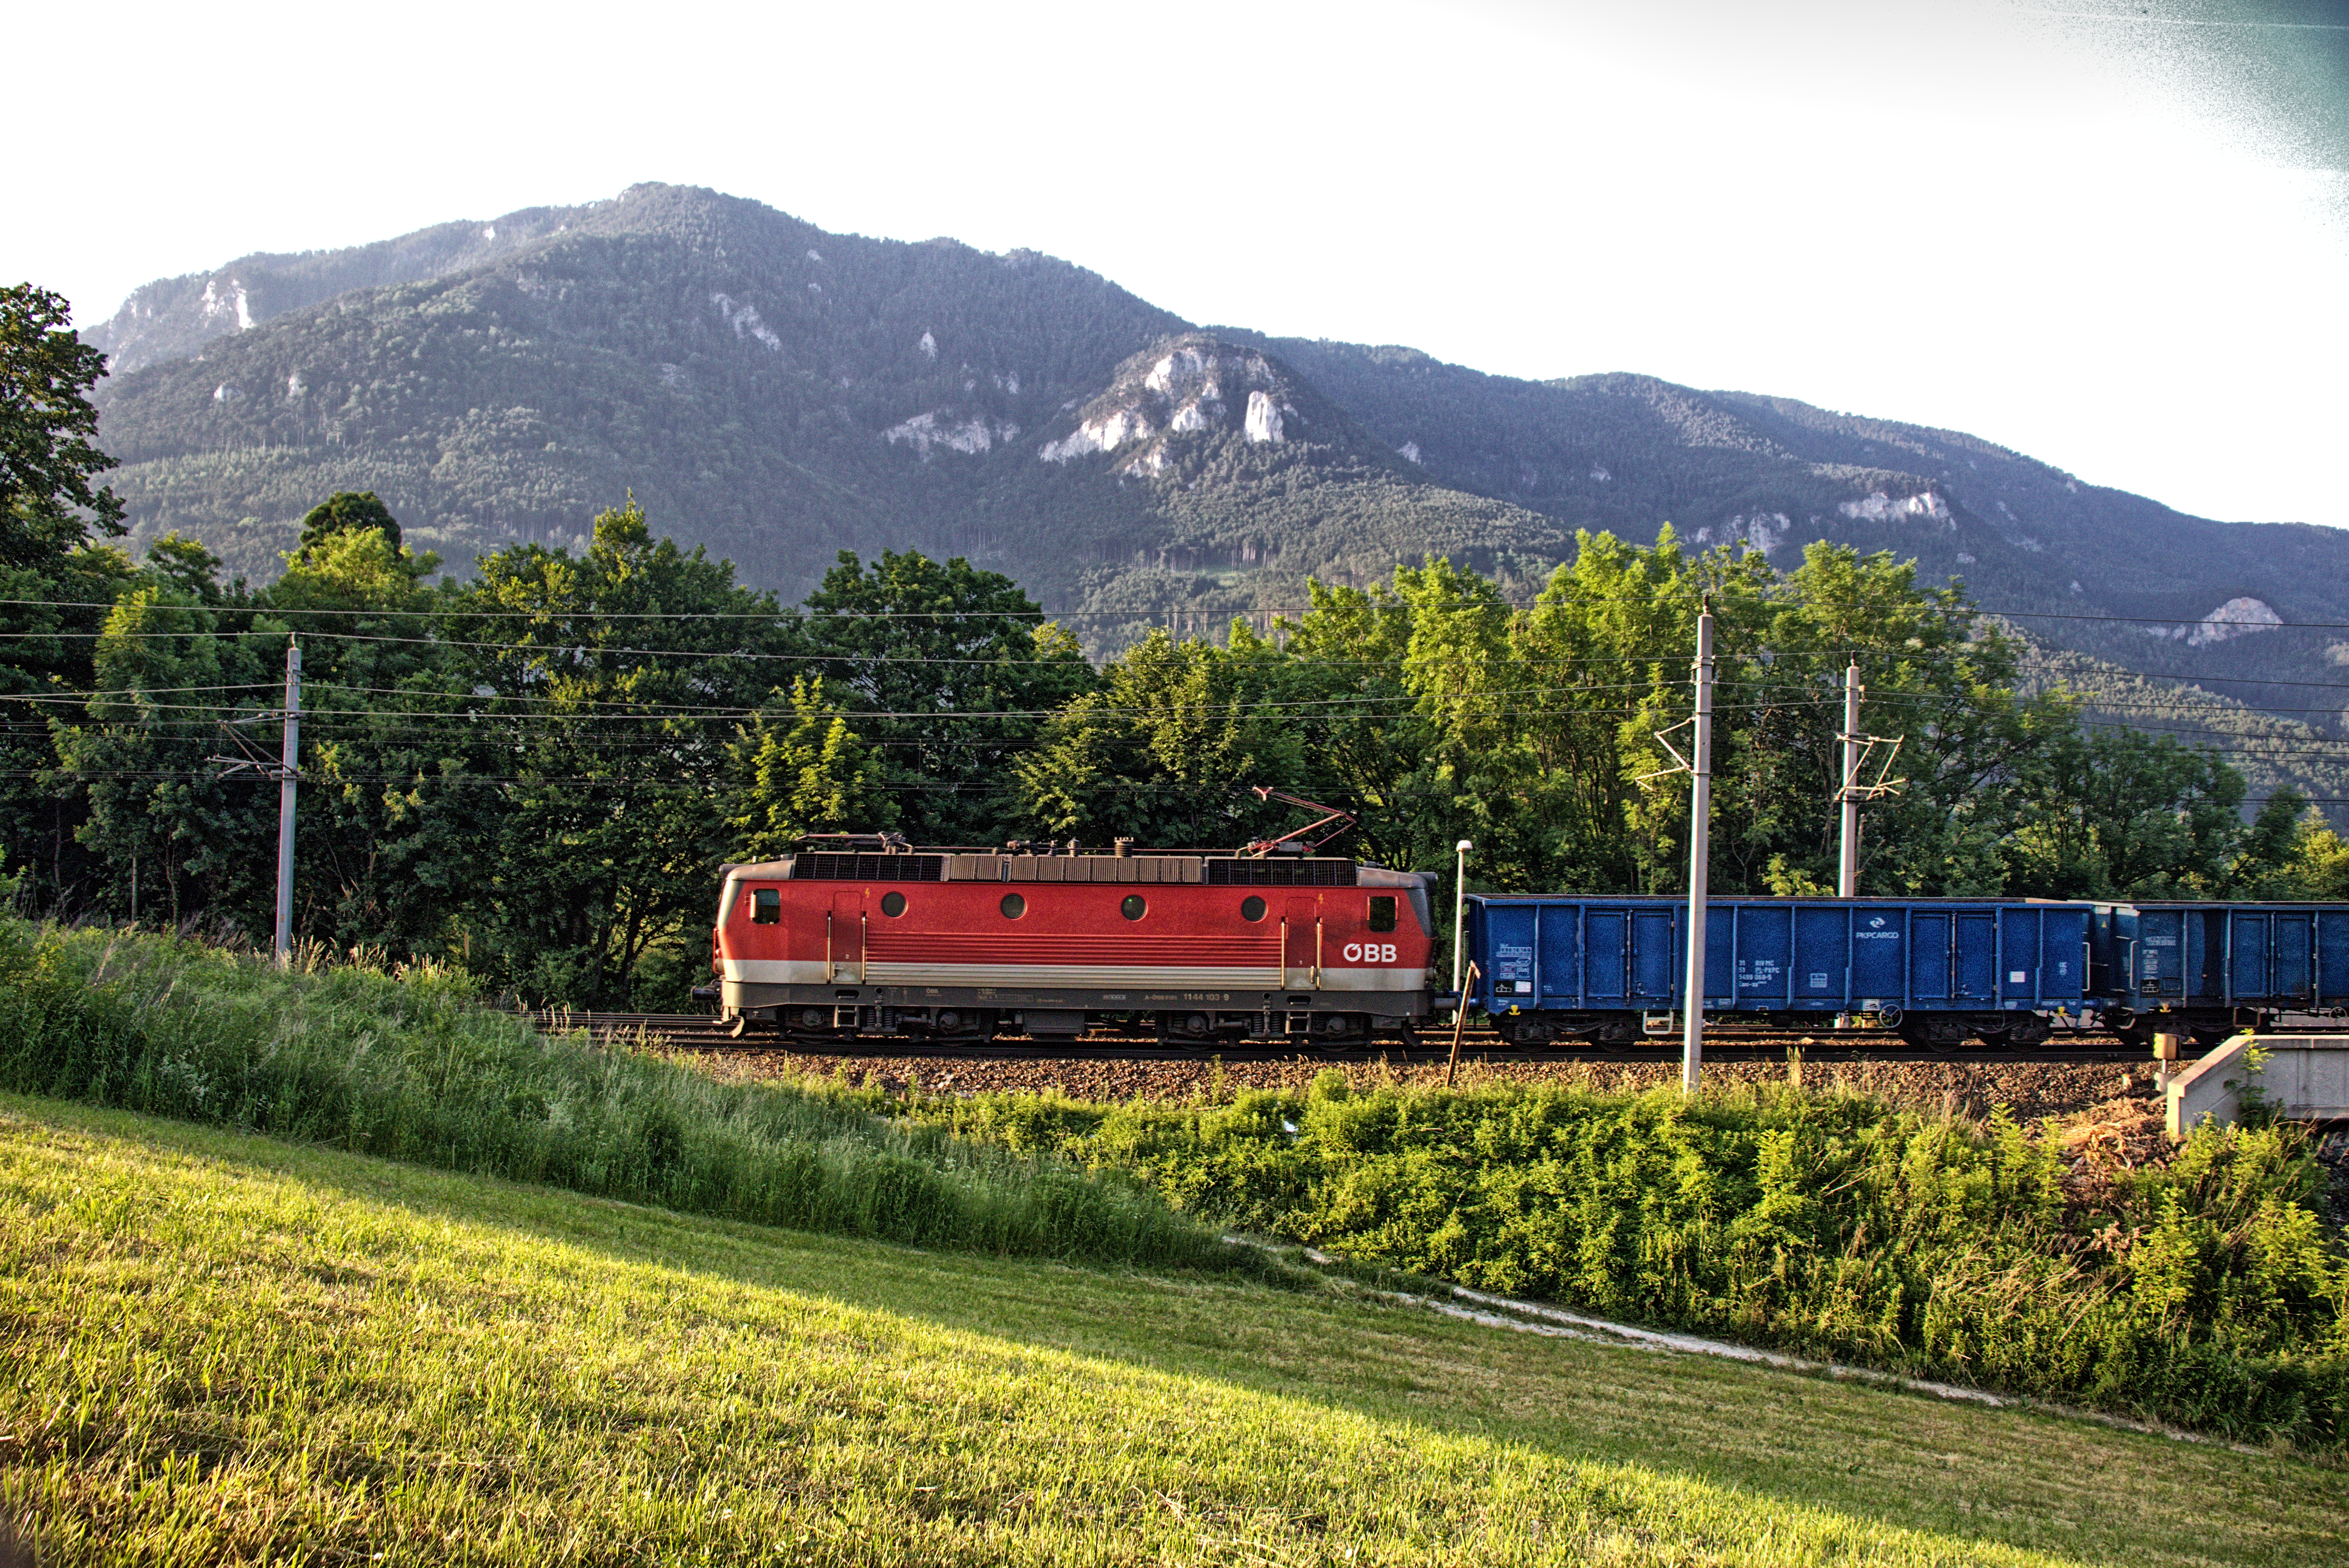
48 432
57 581
396 794
175 839
1971 749
1165 750
607 691
801 771
1438 710
2121 814
949 673
348 511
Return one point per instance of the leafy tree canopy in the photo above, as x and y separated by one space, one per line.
956 669
537 772
49 431
348 511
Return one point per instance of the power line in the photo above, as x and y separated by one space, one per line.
834 656
803 613
2232 628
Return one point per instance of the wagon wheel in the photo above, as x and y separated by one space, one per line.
1612 1031
1933 1032
2026 1029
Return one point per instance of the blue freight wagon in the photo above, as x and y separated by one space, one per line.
2212 969
1602 969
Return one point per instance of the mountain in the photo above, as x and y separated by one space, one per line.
2293 749
1620 451
781 392
172 318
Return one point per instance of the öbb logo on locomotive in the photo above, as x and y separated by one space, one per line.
868 935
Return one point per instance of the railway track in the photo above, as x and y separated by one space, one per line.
699 1032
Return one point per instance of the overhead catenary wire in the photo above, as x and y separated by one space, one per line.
1361 705
805 612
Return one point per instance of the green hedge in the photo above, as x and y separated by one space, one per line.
2203 1291
408 1064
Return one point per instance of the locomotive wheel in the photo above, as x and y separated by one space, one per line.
977 1024
806 1025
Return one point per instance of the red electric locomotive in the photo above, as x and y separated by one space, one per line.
871 935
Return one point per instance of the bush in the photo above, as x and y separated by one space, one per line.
2203 1290
409 1066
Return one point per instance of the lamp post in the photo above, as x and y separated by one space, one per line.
1459 910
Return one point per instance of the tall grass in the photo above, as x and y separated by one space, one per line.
408 1064
2204 1290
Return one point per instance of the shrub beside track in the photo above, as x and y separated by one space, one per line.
2204 1290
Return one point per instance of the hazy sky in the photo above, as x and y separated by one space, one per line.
2114 235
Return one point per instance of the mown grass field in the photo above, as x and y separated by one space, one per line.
218 1347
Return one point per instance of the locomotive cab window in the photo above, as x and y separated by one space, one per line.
766 906
1251 908
1013 906
1382 912
893 905
1133 908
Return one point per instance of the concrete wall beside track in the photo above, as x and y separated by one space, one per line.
2302 1078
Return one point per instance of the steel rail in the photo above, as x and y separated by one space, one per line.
699 1033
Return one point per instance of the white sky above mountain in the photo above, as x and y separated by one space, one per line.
2111 233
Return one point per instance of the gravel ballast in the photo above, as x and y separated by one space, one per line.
2031 1091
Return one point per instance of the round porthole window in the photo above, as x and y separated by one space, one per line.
893 905
1133 908
1013 906
1251 908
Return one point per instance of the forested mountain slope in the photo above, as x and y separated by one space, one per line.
2094 568
2290 745
172 318
781 392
